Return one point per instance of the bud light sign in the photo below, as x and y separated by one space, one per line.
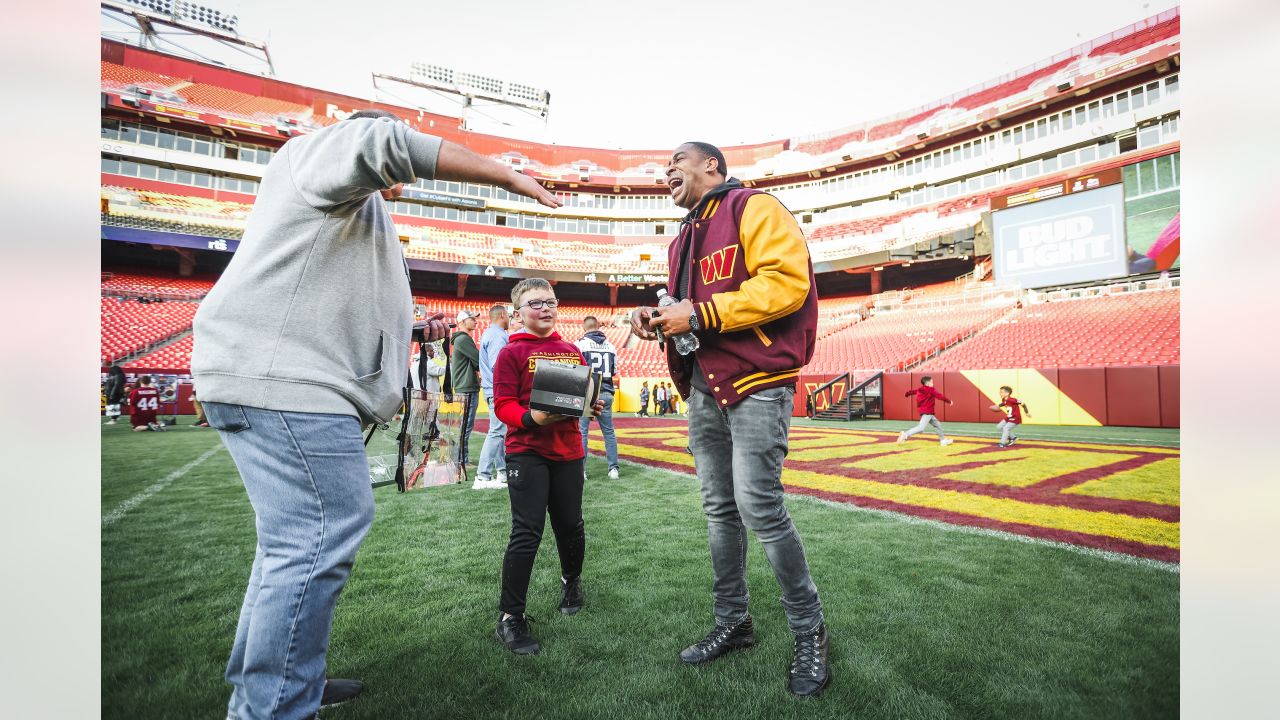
1071 239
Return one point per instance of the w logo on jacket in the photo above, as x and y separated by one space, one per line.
718 265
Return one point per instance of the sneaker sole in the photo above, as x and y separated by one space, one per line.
570 610
744 644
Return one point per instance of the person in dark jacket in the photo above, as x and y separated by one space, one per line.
114 392
741 272
644 399
464 369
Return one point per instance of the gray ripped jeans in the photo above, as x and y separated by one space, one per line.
738 452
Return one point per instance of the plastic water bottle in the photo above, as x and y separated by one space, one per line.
686 343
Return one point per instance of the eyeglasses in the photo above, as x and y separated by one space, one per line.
540 304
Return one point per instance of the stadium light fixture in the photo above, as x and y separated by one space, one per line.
475 85
194 12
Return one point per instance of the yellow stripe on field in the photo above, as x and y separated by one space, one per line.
1145 530
1157 482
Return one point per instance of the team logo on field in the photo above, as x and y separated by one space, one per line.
718 265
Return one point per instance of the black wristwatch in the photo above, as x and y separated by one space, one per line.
693 321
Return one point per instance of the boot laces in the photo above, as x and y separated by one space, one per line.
807 659
718 635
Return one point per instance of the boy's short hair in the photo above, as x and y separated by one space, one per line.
591 319
1007 389
145 379
526 285
926 379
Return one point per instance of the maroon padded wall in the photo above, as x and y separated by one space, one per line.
1133 396
1170 396
896 405
969 401
1087 386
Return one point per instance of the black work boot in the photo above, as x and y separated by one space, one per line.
810 672
338 691
571 601
514 634
721 639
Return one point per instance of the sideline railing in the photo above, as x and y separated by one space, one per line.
834 400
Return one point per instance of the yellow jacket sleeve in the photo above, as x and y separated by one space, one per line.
777 259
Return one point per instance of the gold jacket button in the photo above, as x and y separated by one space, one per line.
711 376
717 389
724 402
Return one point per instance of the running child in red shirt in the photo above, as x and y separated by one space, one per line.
544 465
144 403
1012 409
925 402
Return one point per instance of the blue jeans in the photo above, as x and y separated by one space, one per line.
493 456
308 482
606 427
468 422
738 453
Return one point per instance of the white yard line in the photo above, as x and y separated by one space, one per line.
123 508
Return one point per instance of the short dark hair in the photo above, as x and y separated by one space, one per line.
1006 387
592 318
711 151
925 379
373 113
145 379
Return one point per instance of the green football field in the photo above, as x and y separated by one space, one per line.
927 620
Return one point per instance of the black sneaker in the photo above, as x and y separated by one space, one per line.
515 636
809 673
338 691
571 600
1012 440
721 640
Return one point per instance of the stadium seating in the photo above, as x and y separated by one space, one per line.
890 340
1156 31
133 284
1134 328
173 358
129 326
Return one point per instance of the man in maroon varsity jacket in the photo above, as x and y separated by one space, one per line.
740 269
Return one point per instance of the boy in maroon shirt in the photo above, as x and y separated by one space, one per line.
544 465
926 398
144 402
1012 409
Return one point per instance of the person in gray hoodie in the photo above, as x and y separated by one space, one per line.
301 344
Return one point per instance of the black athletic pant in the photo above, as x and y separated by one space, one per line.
538 487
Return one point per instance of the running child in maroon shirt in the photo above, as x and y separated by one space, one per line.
925 401
544 465
1012 409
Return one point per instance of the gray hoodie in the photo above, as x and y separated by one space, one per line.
314 312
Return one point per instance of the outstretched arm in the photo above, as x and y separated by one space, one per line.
455 162
355 158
